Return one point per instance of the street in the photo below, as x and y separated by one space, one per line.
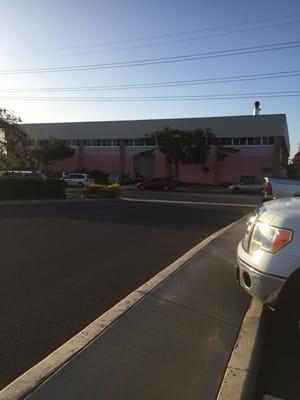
63 265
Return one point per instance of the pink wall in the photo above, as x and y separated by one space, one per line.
195 174
66 165
160 165
129 163
230 170
237 165
103 162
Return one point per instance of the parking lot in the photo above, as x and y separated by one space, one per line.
63 265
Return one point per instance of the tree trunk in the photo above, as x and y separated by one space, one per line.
176 170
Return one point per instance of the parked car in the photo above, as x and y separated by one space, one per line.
276 188
268 257
157 184
248 187
114 177
117 177
78 180
24 174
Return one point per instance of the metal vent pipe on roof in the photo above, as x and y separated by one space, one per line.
257 109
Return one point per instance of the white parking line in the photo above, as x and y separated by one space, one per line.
205 203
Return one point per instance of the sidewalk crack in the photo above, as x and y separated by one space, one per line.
194 310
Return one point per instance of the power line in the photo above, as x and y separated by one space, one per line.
223 96
155 44
166 84
162 36
162 60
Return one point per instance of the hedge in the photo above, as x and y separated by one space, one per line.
101 191
14 188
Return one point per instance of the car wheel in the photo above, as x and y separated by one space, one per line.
80 185
236 190
141 187
165 188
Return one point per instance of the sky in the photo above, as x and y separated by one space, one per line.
39 34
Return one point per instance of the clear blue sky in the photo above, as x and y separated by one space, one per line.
38 33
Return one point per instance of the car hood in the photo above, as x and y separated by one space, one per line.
281 212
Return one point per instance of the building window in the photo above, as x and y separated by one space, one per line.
129 142
247 179
226 141
66 142
150 142
236 141
250 141
257 140
93 143
106 142
140 142
267 140
116 142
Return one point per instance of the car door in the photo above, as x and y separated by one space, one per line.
247 187
71 179
250 187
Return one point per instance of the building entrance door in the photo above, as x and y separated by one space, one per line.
144 165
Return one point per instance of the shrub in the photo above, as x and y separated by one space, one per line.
101 191
53 174
15 188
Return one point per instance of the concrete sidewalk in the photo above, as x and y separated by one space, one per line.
174 344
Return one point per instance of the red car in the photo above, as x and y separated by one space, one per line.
157 184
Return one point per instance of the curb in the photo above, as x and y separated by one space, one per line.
202 203
240 375
32 378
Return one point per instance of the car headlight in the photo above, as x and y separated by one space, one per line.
269 238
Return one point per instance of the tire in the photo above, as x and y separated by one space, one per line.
236 190
141 187
288 306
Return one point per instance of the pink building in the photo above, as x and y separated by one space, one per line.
262 141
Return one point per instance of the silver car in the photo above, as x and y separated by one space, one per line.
268 257
248 187
78 179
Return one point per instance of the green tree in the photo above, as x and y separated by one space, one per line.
293 169
187 147
50 153
14 142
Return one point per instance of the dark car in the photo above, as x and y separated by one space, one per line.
157 184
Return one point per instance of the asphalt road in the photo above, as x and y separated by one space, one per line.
63 265
226 198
